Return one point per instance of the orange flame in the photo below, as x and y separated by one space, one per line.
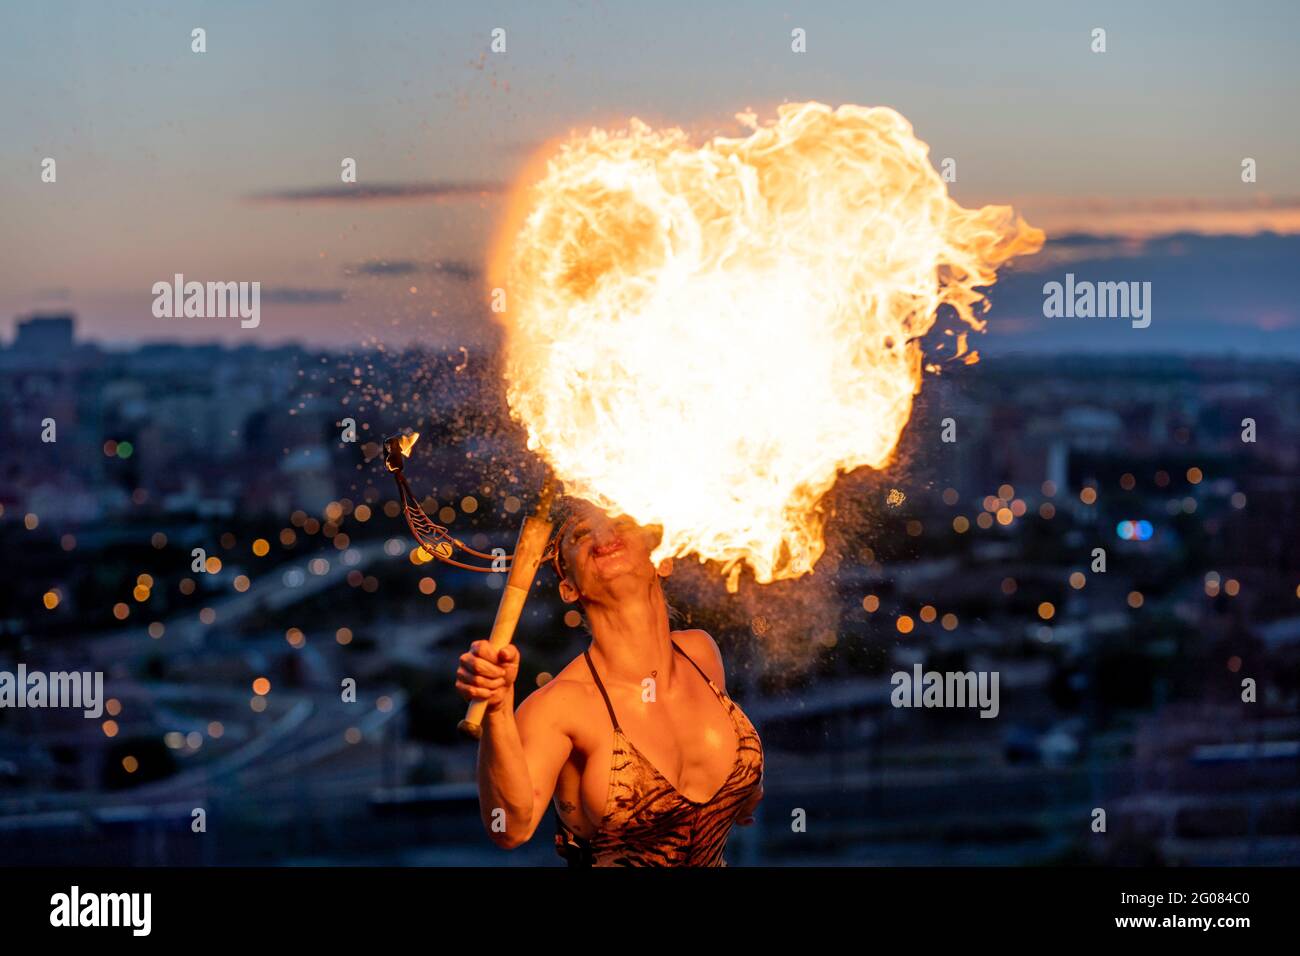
703 338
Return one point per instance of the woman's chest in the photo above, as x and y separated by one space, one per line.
668 754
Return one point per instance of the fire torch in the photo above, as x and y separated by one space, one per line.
521 566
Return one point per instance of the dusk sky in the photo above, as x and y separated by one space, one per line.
170 161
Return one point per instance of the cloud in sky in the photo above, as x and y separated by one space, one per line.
1139 217
296 296
381 192
450 268
1209 294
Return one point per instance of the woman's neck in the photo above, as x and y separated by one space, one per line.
631 637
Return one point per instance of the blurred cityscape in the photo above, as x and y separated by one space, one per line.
1121 689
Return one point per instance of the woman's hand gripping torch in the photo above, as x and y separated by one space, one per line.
533 537
437 542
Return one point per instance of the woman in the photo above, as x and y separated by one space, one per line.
647 760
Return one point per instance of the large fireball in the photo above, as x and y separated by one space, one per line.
704 337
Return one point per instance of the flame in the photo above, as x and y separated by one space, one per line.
704 338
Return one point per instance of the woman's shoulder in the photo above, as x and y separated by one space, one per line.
558 695
703 649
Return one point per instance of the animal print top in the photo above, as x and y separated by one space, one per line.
647 822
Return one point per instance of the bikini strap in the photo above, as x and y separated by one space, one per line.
608 705
707 678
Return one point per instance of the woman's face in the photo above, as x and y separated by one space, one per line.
598 551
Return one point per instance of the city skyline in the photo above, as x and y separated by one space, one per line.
1118 685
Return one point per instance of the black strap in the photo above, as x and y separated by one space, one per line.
706 677
608 705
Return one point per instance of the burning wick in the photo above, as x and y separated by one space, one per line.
435 540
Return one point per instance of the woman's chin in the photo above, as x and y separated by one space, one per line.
616 565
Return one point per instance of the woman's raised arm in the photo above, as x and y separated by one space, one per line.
520 755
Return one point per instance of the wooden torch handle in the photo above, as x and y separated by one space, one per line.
533 537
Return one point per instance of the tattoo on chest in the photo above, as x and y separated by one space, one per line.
566 806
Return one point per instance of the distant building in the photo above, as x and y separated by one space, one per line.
45 334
